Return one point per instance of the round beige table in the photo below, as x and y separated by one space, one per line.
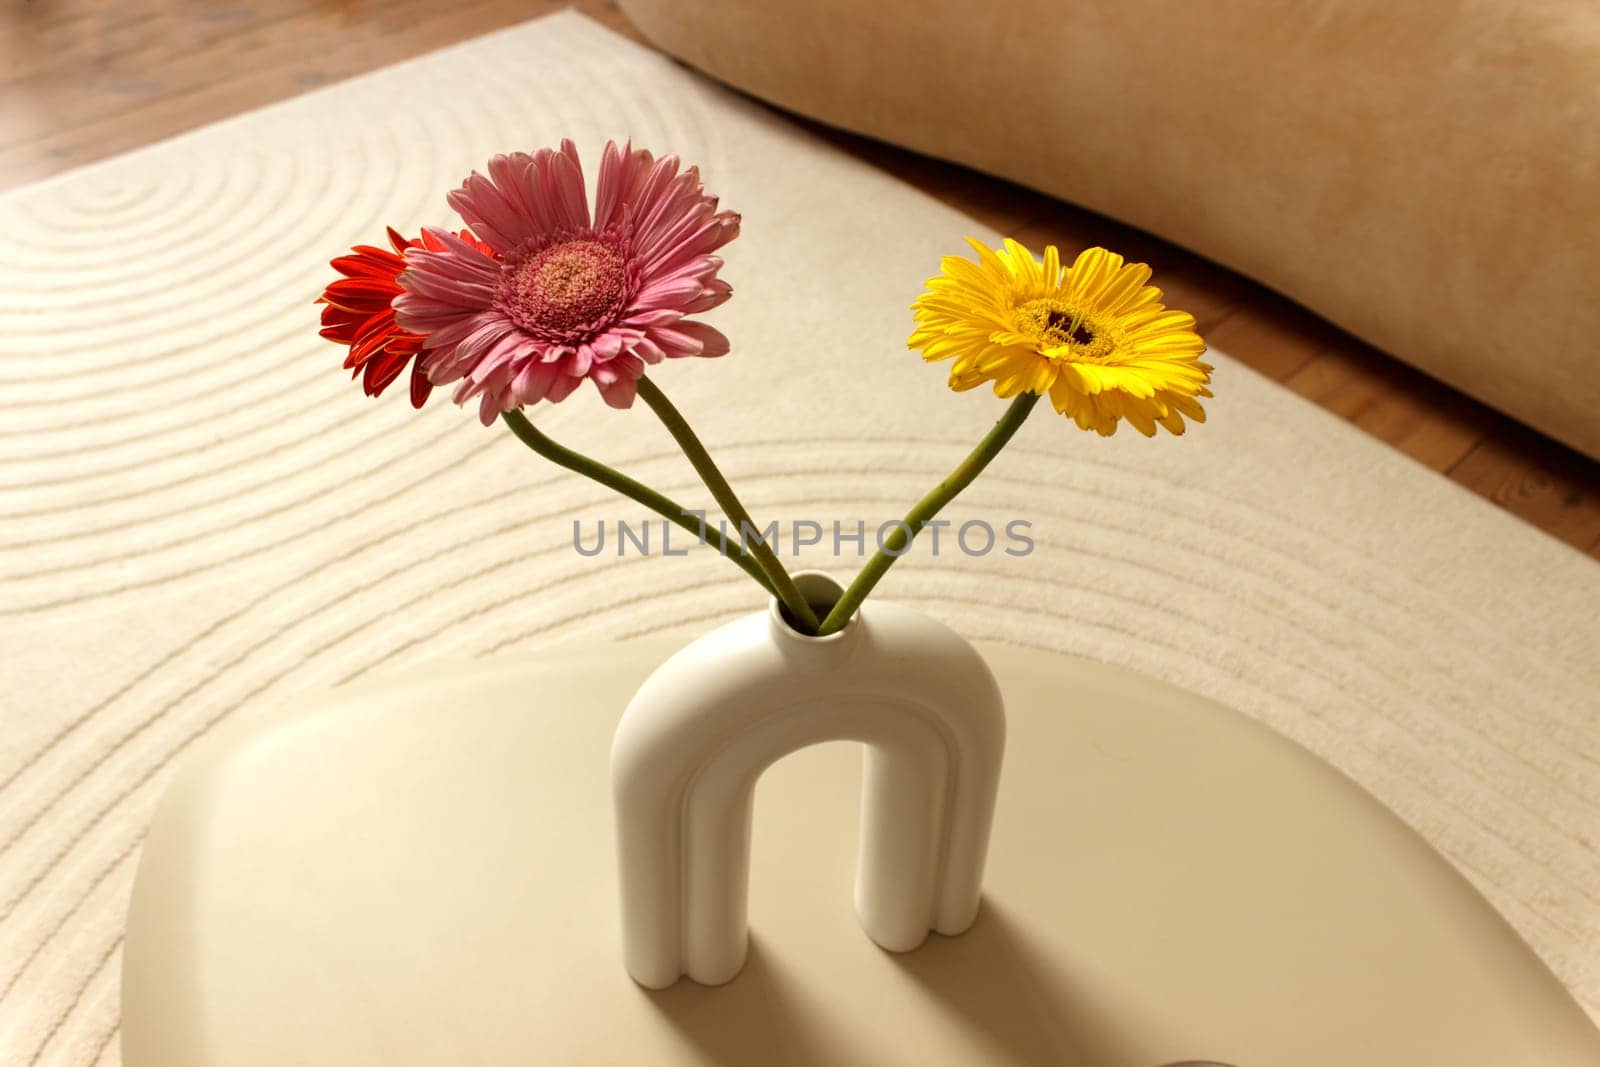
419 873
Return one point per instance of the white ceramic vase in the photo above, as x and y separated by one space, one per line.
701 730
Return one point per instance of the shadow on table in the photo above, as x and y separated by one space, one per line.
761 1017
1019 1006
988 980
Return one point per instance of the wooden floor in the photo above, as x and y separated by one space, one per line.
84 79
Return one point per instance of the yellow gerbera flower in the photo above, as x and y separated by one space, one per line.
1093 336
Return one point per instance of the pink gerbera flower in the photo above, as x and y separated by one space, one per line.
554 295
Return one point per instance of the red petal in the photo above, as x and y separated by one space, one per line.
420 386
368 262
400 243
381 373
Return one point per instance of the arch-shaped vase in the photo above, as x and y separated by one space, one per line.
698 734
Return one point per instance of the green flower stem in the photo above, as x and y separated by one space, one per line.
615 480
779 582
899 540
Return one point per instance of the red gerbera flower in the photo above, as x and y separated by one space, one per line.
358 313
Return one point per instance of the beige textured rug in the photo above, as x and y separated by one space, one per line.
200 515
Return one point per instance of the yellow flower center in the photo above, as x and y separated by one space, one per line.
1065 332
570 284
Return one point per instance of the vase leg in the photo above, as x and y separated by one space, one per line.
903 812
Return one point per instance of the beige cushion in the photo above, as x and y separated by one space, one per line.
1426 176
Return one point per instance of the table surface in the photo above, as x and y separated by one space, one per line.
421 871
84 79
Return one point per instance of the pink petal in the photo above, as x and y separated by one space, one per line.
689 244
581 361
566 175
606 346
562 387
621 172
654 195
534 381
675 341
497 395
420 314
669 293
512 177
620 394
648 351
499 358
716 292
485 209
713 342
470 338
488 409
653 317
692 231
461 291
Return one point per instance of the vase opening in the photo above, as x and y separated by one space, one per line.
821 592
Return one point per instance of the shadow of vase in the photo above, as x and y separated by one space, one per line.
1023 1010
989 982
761 1017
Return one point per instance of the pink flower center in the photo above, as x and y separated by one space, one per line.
570 284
